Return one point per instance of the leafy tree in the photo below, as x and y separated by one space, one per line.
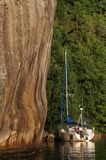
80 27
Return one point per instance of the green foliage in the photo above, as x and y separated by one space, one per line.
80 27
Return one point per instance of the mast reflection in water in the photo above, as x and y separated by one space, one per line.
67 151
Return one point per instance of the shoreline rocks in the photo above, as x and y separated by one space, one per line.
50 138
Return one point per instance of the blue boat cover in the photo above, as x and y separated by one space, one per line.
68 120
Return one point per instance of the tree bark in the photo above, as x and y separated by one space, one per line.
26 32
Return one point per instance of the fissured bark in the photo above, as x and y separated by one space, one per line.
26 27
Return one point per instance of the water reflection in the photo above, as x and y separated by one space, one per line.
64 151
80 150
68 151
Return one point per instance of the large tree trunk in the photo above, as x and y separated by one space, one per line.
26 28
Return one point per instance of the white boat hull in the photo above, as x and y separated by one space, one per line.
77 137
74 136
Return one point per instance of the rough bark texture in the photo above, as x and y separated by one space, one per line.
26 28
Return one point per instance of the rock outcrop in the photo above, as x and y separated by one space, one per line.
26 28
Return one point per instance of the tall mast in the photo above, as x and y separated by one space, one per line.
66 81
81 109
81 113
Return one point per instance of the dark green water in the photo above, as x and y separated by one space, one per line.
72 151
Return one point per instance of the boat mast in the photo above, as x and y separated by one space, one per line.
66 81
81 109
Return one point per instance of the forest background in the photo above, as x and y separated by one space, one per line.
80 27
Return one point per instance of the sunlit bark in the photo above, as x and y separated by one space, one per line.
25 42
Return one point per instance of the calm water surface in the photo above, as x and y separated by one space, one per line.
72 151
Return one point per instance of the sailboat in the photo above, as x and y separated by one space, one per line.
79 132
